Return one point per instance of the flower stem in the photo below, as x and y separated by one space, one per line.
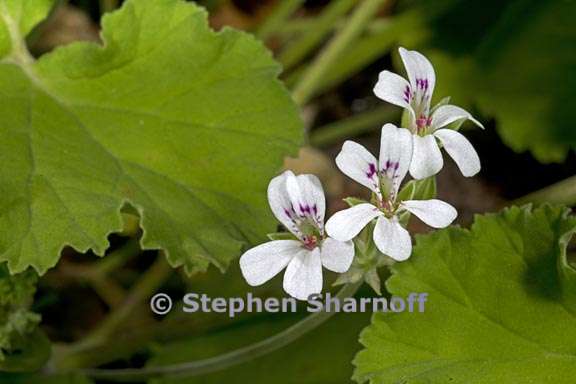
320 28
278 17
228 359
562 192
148 284
313 76
352 126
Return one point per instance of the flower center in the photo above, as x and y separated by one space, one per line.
422 123
310 242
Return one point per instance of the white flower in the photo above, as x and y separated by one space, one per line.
426 124
384 177
297 202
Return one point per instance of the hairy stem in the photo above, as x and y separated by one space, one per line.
313 76
228 359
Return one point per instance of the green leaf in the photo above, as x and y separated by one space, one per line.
27 352
423 189
281 236
352 201
22 346
499 309
164 117
13 378
25 15
515 61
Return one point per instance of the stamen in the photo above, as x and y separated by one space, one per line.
310 242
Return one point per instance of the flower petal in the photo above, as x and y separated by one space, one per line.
360 165
460 149
395 154
307 197
345 225
447 114
394 89
419 70
280 202
337 255
426 157
435 213
392 239
303 277
261 263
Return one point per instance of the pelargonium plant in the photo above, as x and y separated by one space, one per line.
298 201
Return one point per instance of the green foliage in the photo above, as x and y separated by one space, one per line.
501 306
323 356
515 60
22 347
22 378
423 189
30 13
164 117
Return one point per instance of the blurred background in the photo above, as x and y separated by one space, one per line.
511 63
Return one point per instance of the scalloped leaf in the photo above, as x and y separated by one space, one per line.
501 306
164 117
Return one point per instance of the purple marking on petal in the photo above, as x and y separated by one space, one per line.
407 94
315 209
371 170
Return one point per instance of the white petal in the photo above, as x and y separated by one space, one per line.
280 203
435 213
307 197
392 239
418 68
426 157
447 114
337 255
345 225
263 262
395 154
393 89
360 165
303 277
460 149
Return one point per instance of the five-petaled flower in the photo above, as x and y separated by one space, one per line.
298 203
383 178
425 124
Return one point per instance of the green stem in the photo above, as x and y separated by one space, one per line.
278 17
352 126
313 76
563 192
148 284
116 259
316 32
229 359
